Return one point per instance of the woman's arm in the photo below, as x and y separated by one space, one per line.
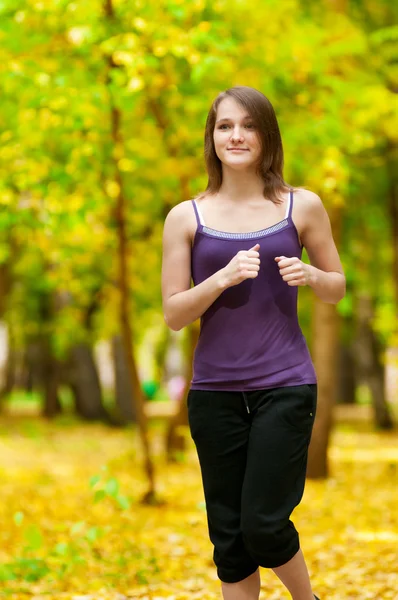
182 304
325 273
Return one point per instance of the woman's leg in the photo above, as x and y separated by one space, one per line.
248 589
294 575
220 428
282 420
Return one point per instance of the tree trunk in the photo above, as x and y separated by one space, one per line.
10 369
127 333
125 324
346 375
325 346
85 384
5 281
393 218
368 358
123 391
338 5
160 355
36 367
42 371
52 405
392 157
325 340
175 440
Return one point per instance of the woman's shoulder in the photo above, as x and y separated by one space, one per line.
185 207
306 201
305 196
307 207
181 218
180 210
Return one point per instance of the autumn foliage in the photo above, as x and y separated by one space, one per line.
73 526
103 106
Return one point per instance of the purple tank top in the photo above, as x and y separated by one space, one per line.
250 337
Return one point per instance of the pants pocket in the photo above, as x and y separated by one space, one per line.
198 413
296 406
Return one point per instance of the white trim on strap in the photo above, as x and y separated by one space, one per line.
288 205
199 214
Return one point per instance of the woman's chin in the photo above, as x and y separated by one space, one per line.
241 165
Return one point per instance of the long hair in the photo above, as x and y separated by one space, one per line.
270 165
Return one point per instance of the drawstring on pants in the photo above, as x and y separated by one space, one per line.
246 402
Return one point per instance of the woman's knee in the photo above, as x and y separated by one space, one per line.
258 536
270 542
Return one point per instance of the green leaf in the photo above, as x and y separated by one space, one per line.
77 527
112 487
94 480
7 573
99 495
31 569
94 533
123 502
62 549
34 537
18 518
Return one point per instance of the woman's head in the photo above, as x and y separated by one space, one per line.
242 117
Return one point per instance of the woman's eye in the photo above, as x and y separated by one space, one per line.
226 126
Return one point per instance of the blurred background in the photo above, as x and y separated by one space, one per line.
102 115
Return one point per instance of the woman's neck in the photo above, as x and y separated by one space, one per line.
240 186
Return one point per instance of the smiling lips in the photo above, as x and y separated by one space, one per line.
238 149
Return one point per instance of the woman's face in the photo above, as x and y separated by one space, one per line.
236 139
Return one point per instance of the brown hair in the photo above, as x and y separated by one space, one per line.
270 165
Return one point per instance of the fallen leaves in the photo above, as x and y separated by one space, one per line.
73 527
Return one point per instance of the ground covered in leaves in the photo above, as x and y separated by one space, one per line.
72 526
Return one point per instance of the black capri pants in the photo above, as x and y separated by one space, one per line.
252 448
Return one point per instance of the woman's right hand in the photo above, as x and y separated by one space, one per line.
244 265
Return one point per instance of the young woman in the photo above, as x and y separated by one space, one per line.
253 396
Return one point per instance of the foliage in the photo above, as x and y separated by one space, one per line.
60 538
331 77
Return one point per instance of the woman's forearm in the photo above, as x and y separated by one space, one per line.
184 308
328 286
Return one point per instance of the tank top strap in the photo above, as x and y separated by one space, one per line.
289 208
199 218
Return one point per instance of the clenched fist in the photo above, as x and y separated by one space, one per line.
244 265
293 270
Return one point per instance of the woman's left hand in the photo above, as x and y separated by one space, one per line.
294 271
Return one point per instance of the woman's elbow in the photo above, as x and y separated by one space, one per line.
172 323
343 287
341 291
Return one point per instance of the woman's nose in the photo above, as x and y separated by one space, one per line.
236 134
